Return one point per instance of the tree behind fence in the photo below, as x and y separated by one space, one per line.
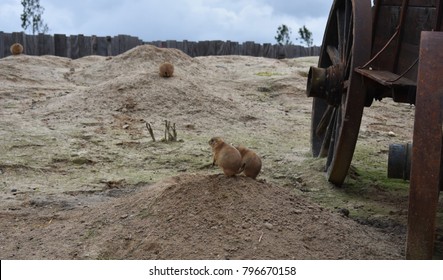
76 46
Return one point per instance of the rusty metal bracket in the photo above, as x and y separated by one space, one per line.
427 149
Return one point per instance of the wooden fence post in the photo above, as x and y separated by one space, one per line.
84 45
2 44
45 44
74 46
60 45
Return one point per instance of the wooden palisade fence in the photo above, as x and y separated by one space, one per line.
76 46
206 48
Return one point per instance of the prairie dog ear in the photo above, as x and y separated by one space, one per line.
212 141
215 140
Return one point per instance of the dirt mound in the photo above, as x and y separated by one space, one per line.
197 216
80 176
130 83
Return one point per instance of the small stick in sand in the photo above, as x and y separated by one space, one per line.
148 126
261 236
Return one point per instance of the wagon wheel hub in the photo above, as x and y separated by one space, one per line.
326 83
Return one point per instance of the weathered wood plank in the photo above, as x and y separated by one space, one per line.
2 44
115 46
202 48
94 45
19 37
45 44
31 45
60 45
109 45
171 44
6 40
100 46
412 3
74 46
85 46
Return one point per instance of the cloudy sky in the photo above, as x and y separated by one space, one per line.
193 20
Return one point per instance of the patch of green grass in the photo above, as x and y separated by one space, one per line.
369 168
90 233
268 74
367 192
377 179
303 74
145 213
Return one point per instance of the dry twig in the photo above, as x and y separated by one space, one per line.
148 126
166 131
174 133
170 132
170 136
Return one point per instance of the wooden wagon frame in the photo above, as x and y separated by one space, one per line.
371 51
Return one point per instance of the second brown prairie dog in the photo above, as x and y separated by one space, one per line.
16 49
225 156
251 162
166 70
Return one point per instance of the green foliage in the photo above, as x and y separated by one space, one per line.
306 36
283 35
32 16
267 74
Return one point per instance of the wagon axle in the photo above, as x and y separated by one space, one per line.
326 83
399 161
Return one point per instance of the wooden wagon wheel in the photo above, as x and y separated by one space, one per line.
339 93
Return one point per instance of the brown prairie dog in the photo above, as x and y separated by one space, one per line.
225 156
251 162
166 70
16 49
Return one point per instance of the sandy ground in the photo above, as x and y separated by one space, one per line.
81 178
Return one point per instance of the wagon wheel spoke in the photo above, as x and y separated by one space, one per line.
329 131
324 122
347 30
332 141
345 19
347 55
341 31
333 54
